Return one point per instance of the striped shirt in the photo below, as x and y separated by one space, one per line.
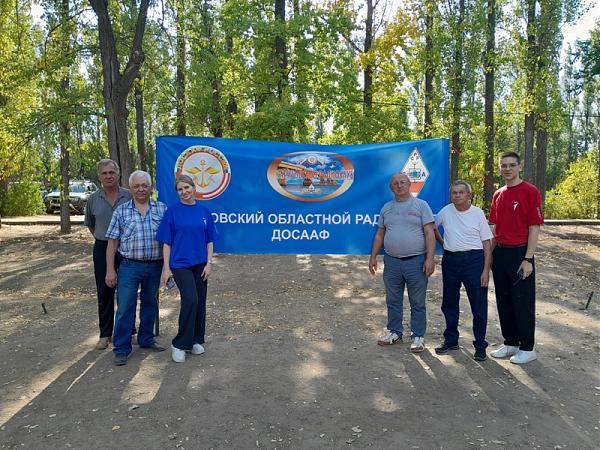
136 233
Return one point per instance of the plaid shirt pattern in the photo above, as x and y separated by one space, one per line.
137 233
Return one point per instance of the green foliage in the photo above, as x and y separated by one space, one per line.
576 197
18 93
21 199
271 120
235 85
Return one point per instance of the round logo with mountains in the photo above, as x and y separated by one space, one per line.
311 176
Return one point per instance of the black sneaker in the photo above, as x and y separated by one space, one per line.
155 347
445 348
480 355
120 360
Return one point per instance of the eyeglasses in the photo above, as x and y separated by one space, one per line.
508 166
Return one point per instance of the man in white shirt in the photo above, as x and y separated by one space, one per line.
466 260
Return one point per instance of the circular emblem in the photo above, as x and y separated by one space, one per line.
209 169
311 176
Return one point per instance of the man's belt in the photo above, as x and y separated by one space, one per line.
404 258
144 261
464 252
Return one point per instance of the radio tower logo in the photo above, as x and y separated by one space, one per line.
417 172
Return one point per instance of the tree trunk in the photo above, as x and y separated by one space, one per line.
118 122
587 112
65 209
280 48
598 161
528 171
457 91
139 126
180 57
532 54
571 137
302 53
490 71
541 159
64 129
151 162
215 116
572 100
117 84
216 126
368 69
232 110
232 107
547 50
429 69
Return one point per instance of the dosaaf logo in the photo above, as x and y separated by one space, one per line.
209 169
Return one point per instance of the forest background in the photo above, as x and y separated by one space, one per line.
83 80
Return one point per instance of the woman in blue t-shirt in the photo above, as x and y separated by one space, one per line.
187 232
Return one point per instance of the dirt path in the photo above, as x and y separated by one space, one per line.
291 359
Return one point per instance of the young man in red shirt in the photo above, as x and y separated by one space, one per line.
516 217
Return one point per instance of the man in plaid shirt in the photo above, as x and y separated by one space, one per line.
132 232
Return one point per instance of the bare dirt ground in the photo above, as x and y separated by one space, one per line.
291 360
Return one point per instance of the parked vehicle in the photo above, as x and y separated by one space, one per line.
79 192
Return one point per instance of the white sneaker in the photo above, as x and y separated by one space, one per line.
523 357
389 339
177 355
418 344
504 351
197 349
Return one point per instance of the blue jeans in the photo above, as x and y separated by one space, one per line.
466 268
133 274
396 274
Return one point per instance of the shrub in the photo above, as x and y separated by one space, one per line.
21 199
576 197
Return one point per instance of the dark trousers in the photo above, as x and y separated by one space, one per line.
515 298
192 315
106 295
464 268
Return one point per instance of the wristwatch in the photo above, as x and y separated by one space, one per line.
529 260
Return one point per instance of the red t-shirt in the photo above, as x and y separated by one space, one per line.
514 209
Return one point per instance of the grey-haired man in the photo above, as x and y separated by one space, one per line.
132 233
98 213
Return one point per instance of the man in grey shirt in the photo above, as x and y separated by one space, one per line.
406 232
98 212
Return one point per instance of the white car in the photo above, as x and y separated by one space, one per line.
79 192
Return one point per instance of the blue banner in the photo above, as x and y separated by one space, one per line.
277 197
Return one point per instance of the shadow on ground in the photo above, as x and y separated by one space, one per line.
291 362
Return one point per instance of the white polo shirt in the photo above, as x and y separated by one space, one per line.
463 230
